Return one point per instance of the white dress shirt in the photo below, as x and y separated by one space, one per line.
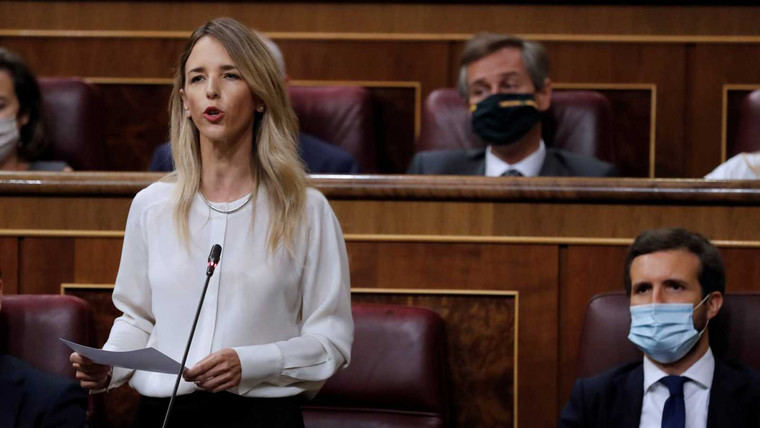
696 392
744 166
528 167
288 316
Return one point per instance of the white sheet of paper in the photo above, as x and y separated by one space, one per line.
148 359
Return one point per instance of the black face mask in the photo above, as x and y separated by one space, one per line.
504 118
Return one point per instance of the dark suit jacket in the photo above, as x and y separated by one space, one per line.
614 398
30 398
558 163
320 157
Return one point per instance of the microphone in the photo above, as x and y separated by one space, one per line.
213 261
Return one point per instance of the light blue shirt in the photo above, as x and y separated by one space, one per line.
696 393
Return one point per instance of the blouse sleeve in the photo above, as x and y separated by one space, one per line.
131 295
324 344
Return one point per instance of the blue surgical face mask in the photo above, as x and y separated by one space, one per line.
664 331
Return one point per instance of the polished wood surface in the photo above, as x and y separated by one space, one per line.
554 241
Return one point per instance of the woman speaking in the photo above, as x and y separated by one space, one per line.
276 320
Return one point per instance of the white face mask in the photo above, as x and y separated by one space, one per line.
9 137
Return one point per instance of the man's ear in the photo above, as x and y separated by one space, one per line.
544 96
714 303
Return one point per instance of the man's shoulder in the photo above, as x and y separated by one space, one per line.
457 161
563 163
322 157
736 372
36 380
613 377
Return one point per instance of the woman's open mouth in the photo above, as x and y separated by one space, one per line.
213 114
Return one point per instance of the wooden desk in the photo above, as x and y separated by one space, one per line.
551 243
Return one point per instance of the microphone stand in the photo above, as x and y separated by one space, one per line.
213 260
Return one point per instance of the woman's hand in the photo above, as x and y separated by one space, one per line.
219 371
89 374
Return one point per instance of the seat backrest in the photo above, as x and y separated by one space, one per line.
341 115
72 112
577 121
398 376
748 131
604 341
30 325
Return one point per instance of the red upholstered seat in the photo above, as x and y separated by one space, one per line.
72 112
398 376
577 121
734 333
748 132
30 325
340 115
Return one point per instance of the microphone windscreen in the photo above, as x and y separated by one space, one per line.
216 252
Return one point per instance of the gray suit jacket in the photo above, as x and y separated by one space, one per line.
558 163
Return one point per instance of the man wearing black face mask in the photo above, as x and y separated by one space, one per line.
505 80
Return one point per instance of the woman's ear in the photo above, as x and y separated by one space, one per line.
184 103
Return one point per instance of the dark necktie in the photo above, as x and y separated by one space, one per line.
511 173
674 412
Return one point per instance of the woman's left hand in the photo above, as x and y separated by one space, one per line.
219 371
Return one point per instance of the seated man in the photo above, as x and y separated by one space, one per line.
675 280
32 398
319 156
505 79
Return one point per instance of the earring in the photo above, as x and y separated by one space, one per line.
260 108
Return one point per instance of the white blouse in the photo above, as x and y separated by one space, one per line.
288 317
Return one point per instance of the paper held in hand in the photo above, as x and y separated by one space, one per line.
148 359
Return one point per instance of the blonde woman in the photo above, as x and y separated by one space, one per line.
276 320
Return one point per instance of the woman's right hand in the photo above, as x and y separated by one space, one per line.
89 374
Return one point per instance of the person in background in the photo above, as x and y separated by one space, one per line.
30 398
675 280
506 81
276 321
744 166
22 139
319 156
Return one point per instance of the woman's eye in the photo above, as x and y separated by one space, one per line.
231 76
196 78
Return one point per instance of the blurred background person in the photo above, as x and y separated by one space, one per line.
30 398
744 166
22 138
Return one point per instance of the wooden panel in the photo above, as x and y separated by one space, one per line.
480 331
585 271
742 268
9 265
45 263
734 98
416 17
137 120
631 127
481 267
96 260
715 66
64 213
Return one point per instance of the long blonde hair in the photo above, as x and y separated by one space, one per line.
274 159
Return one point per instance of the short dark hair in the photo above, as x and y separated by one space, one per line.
31 138
712 274
483 44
